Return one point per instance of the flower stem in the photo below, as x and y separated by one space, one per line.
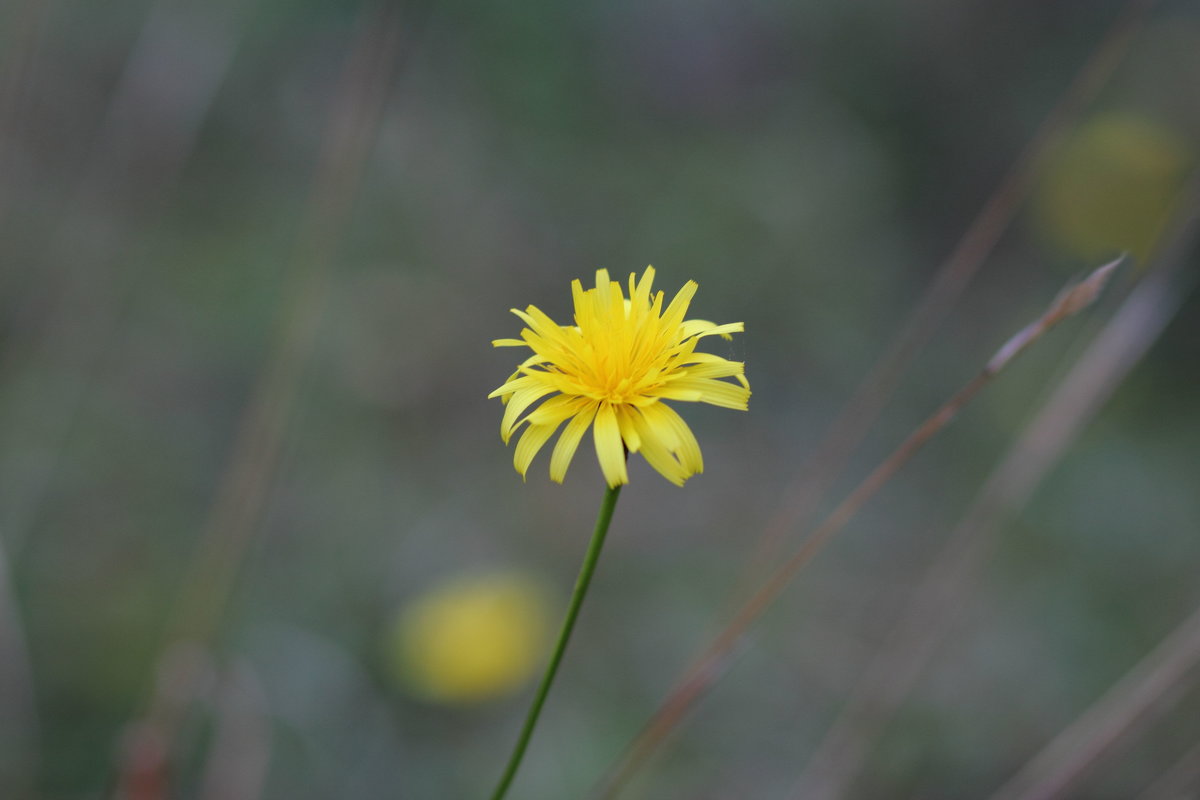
581 587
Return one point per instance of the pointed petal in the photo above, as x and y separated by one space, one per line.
609 449
647 282
513 384
656 453
716 369
706 390
584 310
601 294
676 435
545 326
517 404
625 414
531 442
553 411
673 316
544 332
673 391
568 443
704 358
536 358
701 327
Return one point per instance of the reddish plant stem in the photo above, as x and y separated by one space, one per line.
710 666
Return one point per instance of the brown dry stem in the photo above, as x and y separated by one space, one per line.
829 458
242 495
711 664
1133 703
933 607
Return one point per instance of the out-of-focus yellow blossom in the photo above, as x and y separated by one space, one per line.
472 638
611 371
1112 186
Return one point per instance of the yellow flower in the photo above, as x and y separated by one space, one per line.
612 370
472 638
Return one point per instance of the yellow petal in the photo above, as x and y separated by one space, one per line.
568 443
673 391
536 358
541 327
544 325
553 411
633 442
601 300
699 328
656 453
520 401
676 434
609 449
673 316
513 384
706 390
726 369
583 307
703 358
531 442
644 286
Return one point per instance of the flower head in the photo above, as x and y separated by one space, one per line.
472 637
611 371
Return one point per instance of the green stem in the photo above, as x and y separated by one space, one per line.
581 587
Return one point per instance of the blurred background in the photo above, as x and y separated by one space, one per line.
260 537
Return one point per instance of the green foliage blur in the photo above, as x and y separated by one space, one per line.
169 227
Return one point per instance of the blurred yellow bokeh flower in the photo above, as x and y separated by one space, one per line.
1112 185
612 370
472 638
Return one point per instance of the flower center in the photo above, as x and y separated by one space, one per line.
619 393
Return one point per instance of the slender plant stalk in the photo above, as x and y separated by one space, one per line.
1153 687
710 665
820 470
234 518
935 606
581 586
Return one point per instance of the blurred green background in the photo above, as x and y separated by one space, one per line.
340 203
